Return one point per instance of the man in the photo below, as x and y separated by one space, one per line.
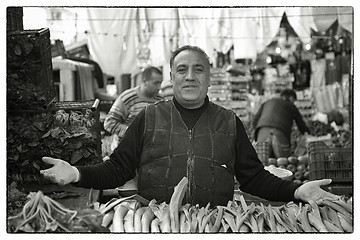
274 120
133 100
186 136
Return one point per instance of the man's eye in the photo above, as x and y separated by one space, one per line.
181 70
199 70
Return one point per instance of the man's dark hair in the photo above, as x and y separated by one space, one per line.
188 47
287 93
146 73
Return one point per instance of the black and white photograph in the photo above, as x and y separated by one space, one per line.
147 119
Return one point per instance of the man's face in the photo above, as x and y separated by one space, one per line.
153 84
190 75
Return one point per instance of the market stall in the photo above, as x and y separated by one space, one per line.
63 119
135 214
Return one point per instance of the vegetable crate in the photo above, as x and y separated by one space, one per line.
330 162
66 130
263 151
29 69
14 19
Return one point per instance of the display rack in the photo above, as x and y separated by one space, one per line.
230 92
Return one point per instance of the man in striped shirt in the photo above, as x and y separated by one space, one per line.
133 100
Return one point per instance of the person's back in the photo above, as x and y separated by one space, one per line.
277 113
132 101
273 122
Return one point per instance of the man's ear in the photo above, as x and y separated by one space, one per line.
171 80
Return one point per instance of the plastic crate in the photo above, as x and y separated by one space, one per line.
32 134
263 151
29 69
330 162
14 19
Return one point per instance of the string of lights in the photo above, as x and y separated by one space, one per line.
205 18
170 36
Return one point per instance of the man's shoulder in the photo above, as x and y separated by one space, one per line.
221 108
129 93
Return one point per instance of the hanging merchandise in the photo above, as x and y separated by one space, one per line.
319 100
158 28
331 72
330 90
318 66
143 54
345 89
114 49
220 28
244 27
194 29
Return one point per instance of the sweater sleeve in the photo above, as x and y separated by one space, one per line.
252 176
300 121
123 162
116 118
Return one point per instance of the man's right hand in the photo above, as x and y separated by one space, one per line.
61 173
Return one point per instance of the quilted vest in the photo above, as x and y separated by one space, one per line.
204 154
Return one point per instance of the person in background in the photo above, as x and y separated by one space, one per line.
187 136
133 100
274 120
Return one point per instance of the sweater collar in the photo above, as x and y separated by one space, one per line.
180 108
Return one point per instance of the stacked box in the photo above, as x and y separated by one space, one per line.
330 162
29 70
14 19
66 130
263 151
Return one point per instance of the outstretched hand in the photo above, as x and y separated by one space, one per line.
61 172
312 191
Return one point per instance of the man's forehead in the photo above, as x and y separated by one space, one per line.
183 58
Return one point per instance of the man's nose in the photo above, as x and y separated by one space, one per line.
190 75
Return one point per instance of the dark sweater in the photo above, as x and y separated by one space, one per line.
280 114
249 171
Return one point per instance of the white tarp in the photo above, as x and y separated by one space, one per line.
302 21
112 39
194 29
159 27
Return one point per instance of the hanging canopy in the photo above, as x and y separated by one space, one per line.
115 35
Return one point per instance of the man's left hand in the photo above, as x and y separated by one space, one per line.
311 191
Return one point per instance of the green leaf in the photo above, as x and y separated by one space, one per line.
57 150
36 165
78 145
19 148
76 156
56 132
26 162
86 153
33 144
17 49
28 47
46 134
40 125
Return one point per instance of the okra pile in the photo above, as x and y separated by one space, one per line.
130 216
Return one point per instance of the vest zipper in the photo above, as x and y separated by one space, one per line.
190 169
190 159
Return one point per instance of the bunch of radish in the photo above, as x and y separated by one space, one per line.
130 216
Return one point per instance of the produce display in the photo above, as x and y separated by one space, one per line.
68 134
127 215
343 138
299 166
43 214
318 128
131 215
